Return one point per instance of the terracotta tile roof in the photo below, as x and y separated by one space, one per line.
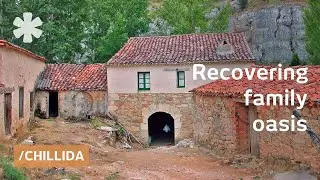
73 77
182 49
6 44
236 89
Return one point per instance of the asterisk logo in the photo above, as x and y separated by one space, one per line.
27 27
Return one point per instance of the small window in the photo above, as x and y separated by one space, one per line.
21 101
31 101
181 79
143 80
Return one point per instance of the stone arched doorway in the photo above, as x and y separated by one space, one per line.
161 129
166 108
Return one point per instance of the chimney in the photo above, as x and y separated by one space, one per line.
224 48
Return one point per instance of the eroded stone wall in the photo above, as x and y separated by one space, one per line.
74 103
295 145
214 124
134 109
217 126
42 104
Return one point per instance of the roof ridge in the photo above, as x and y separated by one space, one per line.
17 48
189 34
182 49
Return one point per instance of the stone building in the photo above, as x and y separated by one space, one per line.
19 70
227 124
149 80
71 90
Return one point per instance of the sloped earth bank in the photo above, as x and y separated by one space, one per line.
113 163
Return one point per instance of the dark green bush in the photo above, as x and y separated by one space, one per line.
243 4
295 60
11 173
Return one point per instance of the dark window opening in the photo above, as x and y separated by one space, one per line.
53 104
161 129
31 101
8 113
21 101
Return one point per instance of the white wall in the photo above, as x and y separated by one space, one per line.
163 78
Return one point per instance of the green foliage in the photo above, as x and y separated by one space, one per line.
295 60
312 24
77 28
113 176
95 123
121 130
10 172
116 36
73 177
273 1
243 4
110 23
185 16
221 22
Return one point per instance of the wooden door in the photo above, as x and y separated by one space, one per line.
254 139
7 113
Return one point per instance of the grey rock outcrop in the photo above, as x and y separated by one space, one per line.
275 33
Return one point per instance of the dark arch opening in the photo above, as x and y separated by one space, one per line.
161 129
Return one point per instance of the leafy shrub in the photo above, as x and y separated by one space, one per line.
10 172
295 60
243 4
113 176
95 123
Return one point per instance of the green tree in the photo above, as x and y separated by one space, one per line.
8 11
185 16
113 40
110 23
312 24
62 28
76 30
188 16
220 23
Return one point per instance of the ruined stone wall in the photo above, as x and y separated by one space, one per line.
217 126
274 34
134 109
42 104
74 103
80 103
295 145
214 124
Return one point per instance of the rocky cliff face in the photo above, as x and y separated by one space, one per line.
275 33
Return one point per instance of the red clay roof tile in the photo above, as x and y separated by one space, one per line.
236 89
182 49
73 77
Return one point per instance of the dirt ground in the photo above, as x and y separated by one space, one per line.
137 163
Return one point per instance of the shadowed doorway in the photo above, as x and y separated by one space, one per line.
161 129
53 104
